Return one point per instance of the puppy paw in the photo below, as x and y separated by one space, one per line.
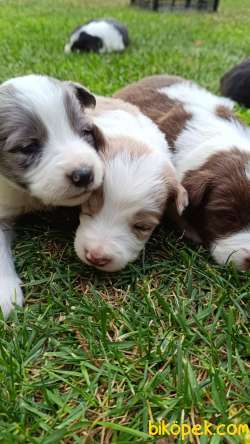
10 293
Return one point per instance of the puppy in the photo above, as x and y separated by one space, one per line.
212 159
139 180
236 83
103 35
48 157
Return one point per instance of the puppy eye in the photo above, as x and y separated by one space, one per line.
30 148
141 227
87 134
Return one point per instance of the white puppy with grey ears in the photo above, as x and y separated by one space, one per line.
48 157
117 220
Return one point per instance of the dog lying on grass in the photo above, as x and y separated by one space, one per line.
48 157
211 151
139 181
98 35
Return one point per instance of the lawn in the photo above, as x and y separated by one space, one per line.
93 357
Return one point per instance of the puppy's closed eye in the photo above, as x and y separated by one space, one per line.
88 136
29 148
93 135
143 224
143 227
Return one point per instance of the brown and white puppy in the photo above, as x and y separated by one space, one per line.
48 157
139 179
212 159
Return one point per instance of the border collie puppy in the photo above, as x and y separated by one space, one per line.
139 179
236 83
48 157
103 35
212 159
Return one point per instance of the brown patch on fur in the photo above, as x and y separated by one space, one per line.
133 148
173 123
224 112
219 196
176 194
155 82
94 204
169 115
104 104
143 223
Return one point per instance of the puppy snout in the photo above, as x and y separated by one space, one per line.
82 177
97 258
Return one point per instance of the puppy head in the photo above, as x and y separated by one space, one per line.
84 42
219 195
48 145
116 222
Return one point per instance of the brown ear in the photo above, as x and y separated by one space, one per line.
85 97
178 198
182 199
198 184
93 205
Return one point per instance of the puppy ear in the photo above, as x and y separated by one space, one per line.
197 184
178 198
95 202
85 97
181 199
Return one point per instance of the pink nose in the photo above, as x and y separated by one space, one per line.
97 258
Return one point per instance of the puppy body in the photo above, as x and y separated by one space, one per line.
212 158
236 83
103 35
48 157
139 179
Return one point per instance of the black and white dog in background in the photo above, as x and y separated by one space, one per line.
48 157
101 35
236 83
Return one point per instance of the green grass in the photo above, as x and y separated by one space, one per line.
93 357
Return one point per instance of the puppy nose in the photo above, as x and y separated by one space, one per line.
97 259
82 177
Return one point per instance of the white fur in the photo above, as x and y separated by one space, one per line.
129 187
131 184
138 127
192 94
10 290
234 248
15 201
49 184
206 134
110 36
